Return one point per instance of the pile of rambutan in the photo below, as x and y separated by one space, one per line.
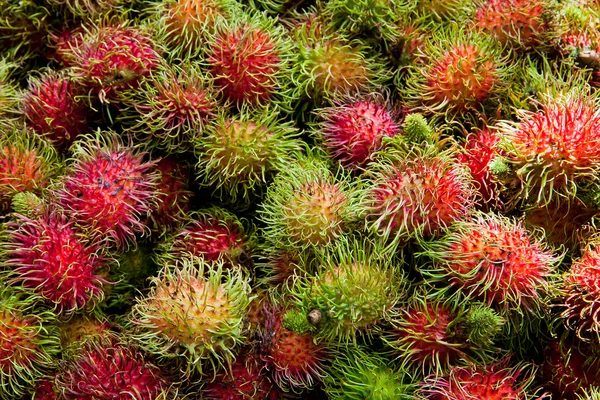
299 199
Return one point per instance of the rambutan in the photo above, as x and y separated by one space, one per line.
250 61
519 23
92 9
238 155
27 163
194 314
108 188
491 258
554 149
28 343
8 90
113 57
295 360
352 131
212 234
23 27
307 205
50 257
55 107
170 108
107 367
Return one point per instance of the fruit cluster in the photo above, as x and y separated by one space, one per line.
312 199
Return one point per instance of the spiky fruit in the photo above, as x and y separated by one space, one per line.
440 10
554 149
359 373
295 360
428 337
28 343
27 163
8 89
45 390
519 23
184 25
173 194
194 314
478 154
464 75
278 266
418 130
499 381
246 380
113 57
170 108
352 131
64 41
92 9
415 194
109 188
54 106
239 155
106 367
307 205
494 259
213 234
569 368
50 257
250 61
78 330
356 290
581 293
29 205
23 26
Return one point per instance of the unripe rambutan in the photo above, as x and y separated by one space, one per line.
239 155
29 205
307 205
107 367
78 330
494 259
245 380
113 57
54 106
194 314
356 290
27 163
28 343
213 234
519 23
415 194
108 188
554 149
250 61
8 90
352 131
170 108
360 373
296 361
498 381
91 9
441 10
50 257
464 75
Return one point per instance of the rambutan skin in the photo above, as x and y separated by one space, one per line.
48 255
109 188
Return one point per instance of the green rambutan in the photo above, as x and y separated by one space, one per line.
8 90
28 343
194 314
170 108
109 188
91 9
308 205
250 59
29 205
356 289
23 26
238 155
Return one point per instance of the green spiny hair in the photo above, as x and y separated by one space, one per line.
417 129
29 341
29 205
27 163
22 26
295 320
359 373
8 89
483 325
443 11
239 154
183 26
591 393
194 314
356 289
170 108
308 204
92 9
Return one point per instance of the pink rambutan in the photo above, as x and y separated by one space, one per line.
109 188
352 131
105 367
49 256
113 57
494 259
55 107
